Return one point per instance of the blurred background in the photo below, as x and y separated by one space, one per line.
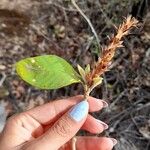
36 27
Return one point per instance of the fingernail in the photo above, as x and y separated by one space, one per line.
105 104
79 111
114 141
104 124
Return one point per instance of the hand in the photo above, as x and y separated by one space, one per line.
52 125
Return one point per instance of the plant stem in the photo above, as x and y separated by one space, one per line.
86 92
74 139
89 23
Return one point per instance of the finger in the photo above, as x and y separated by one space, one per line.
50 112
91 125
89 143
94 125
101 143
64 129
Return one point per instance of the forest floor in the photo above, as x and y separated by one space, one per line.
33 27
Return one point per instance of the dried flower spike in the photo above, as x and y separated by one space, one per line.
108 52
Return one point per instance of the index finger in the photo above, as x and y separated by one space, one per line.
47 113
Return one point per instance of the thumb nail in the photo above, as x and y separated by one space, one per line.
79 111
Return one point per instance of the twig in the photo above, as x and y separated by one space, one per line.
89 23
109 21
118 98
60 6
105 92
74 143
3 79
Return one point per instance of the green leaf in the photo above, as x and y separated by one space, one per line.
47 72
87 69
96 81
82 72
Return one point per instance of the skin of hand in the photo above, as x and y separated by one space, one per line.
51 127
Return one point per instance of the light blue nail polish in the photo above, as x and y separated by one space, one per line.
79 111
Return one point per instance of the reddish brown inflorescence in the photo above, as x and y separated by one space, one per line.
108 52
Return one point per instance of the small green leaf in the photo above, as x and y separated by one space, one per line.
82 72
96 81
87 69
47 72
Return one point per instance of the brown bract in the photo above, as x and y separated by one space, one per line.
108 52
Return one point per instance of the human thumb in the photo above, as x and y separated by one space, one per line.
64 129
